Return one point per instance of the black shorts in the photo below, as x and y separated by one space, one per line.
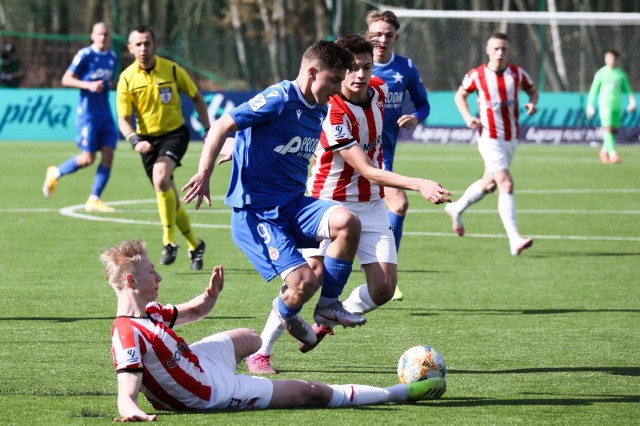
173 145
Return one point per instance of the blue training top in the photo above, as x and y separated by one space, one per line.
91 65
401 75
278 134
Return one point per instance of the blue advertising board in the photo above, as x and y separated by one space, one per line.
49 115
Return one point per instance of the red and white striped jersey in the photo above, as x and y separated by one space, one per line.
347 124
498 98
171 373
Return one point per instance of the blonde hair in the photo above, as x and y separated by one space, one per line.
121 260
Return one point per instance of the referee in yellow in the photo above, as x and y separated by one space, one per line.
152 86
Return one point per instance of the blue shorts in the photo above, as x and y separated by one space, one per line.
271 236
388 154
95 133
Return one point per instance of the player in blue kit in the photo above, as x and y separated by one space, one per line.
277 133
402 76
92 72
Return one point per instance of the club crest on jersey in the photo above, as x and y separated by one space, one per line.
274 254
257 102
165 95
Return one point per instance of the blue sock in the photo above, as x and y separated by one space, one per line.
68 166
335 273
100 181
397 223
286 311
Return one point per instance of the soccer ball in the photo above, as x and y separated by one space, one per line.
420 363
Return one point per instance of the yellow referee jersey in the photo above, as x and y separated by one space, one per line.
155 95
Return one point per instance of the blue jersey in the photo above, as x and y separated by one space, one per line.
402 76
90 64
278 134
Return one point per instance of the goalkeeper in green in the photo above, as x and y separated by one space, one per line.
609 83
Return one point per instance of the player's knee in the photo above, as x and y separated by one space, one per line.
301 287
344 224
382 293
161 183
318 395
253 339
85 159
107 158
490 187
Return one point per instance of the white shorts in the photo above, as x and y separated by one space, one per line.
497 154
377 243
228 389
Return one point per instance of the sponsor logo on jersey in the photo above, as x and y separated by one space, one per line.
101 74
257 102
302 147
298 113
165 95
366 147
395 97
273 94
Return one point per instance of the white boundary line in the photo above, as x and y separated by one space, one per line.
531 211
539 237
77 212
72 211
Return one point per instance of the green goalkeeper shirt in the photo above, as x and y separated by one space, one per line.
608 86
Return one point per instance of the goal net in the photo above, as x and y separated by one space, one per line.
561 50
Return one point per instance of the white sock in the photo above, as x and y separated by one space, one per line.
359 301
472 195
93 197
398 393
271 332
507 210
352 395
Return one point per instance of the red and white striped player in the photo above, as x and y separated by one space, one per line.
348 169
497 84
151 358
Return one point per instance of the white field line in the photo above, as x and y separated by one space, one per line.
538 237
77 211
530 211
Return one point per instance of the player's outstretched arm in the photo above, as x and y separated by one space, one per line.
430 190
198 185
200 306
128 390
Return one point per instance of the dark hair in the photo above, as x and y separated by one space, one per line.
499 36
330 54
386 16
356 44
614 52
144 29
